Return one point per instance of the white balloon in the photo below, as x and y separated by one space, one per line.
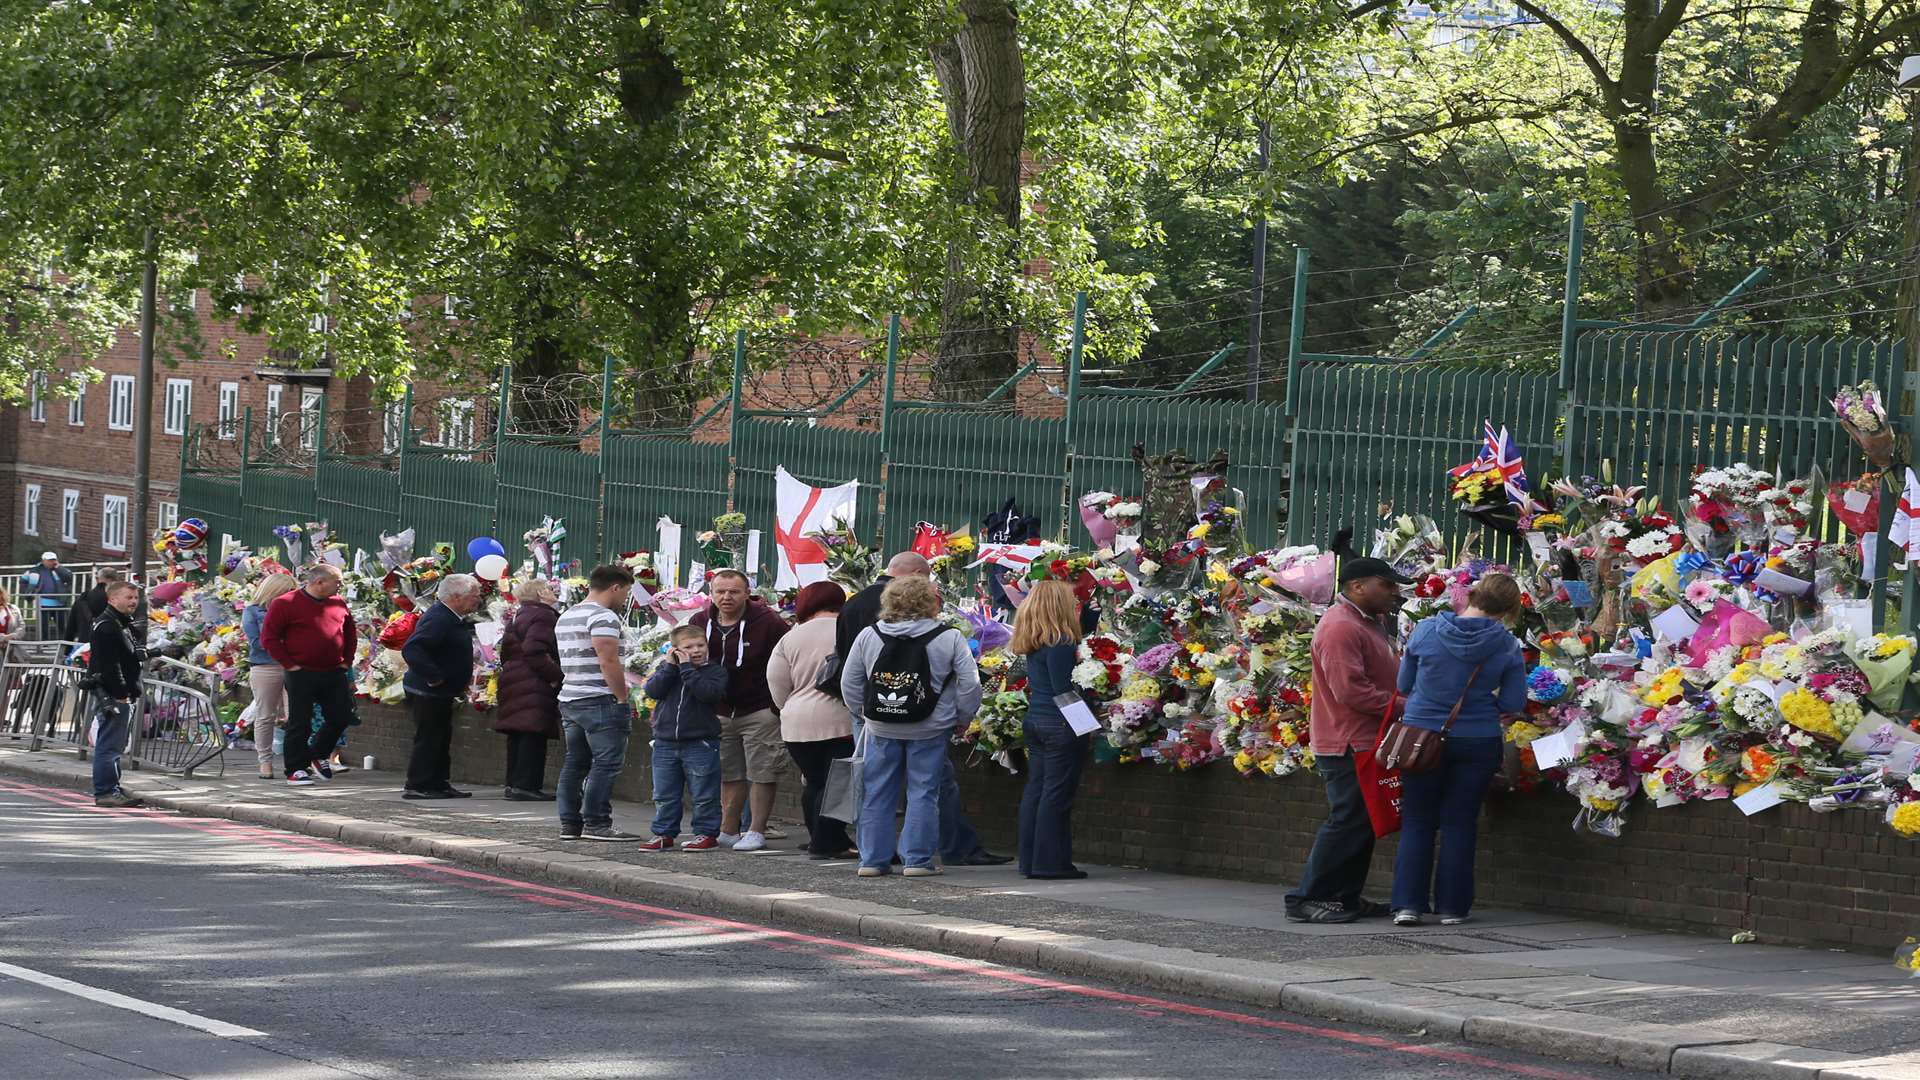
491 567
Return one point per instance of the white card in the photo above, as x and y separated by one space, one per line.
488 633
1856 615
1669 799
697 576
1537 543
666 556
1554 749
1870 555
1675 624
1782 583
1855 500
753 558
1079 717
1765 797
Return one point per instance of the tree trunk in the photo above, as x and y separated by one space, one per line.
983 86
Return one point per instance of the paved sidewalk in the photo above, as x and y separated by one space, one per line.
1574 988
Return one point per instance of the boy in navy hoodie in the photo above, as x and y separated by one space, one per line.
686 741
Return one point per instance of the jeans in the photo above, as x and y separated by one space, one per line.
1055 757
695 765
1445 801
1337 866
814 758
919 764
430 766
332 691
958 838
596 731
526 760
51 620
110 742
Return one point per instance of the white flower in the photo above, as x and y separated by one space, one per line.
1647 545
1148 566
1613 530
1089 674
1124 510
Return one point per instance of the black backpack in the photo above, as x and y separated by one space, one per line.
900 686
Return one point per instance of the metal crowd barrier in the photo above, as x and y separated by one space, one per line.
177 730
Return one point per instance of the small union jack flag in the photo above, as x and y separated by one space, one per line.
1500 453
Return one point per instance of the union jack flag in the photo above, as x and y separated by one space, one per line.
1500 453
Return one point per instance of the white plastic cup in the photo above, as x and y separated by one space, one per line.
367 763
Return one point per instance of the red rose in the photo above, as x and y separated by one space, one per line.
1103 649
1058 568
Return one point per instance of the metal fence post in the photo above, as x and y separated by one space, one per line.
1075 353
733 413
1297 326
501 422
886 423
600 478
246 450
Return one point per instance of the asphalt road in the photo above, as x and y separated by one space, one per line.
245 954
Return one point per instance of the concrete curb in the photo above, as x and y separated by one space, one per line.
1302 987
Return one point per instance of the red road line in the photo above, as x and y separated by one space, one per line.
553 896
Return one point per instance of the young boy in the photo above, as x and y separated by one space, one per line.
686 741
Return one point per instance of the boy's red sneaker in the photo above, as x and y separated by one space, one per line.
658 843
700 843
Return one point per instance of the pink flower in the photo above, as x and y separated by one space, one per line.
1700 593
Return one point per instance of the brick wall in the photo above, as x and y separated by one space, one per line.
1793 876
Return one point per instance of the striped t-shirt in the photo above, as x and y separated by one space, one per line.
574 634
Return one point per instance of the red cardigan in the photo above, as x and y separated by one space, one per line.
305 632
1355 671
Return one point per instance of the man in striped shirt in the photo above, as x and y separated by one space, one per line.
596 717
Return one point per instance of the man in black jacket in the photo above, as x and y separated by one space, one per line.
439 658
114 659
959 841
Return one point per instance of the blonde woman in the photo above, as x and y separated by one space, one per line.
267 679
1046 630
11 625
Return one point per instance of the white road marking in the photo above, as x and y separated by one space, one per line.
131 1004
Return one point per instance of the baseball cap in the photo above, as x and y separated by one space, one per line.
1366 567
45 555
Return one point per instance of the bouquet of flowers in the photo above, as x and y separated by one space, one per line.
543 540
1862 413
641 565
850 563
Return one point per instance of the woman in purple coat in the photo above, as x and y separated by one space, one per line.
529 712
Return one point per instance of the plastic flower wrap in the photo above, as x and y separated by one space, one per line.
1886 660
997 729
1864 415
676 606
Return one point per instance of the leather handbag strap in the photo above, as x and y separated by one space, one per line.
1464 691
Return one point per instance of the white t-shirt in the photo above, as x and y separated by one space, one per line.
579 664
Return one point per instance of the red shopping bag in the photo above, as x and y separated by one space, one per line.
1380 787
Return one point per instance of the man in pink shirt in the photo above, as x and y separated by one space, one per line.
1355 670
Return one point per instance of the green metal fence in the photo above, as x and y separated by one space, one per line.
214 499
358 502
1254 436
816 453
649 477
539 480
953 467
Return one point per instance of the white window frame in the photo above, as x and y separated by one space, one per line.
113 511
310 399
180 394
30 511
169 515
239 303
77 407
393 427
450 306
70 516
120 403
229 410
37 398
274 393
454 423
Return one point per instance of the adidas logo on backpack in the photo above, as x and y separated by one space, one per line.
902 689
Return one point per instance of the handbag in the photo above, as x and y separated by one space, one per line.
841 798
1411 749
827 681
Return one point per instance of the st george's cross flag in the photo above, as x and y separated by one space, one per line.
798 509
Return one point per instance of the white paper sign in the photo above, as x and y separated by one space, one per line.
1855 500
1856 615
753 557
1554 749
1870 556
666 556
1079 717
488 633
1537 544
697 576
1675 624
1782 583
1765 797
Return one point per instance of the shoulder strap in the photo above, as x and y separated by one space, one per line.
1464 691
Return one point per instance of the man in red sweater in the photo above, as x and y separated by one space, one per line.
1355 671
310 633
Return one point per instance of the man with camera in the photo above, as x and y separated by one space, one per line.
114 661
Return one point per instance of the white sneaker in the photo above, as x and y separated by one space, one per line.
300 779
752 841
728 839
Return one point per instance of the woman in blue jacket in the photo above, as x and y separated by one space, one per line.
1047 632
1474 660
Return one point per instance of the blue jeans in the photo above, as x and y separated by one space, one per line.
690 763
1337 865
596 731
1445 801
110 742
918 763
958 838
1055 757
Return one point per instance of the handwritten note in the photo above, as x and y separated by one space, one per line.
1764 797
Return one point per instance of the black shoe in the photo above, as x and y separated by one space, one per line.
1323 911
412 794
455 793
982 857
569 832
515 794
1065 875
1374 909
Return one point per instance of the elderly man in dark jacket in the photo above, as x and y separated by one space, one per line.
530 677
439 659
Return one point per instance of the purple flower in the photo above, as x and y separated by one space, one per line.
1155 660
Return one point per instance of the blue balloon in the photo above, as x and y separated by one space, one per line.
482 546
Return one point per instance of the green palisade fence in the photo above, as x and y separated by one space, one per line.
953 468
214 499
540 480
447 499
1368 434
1254 437
275 497
1657 404
358 502
655 476
818 454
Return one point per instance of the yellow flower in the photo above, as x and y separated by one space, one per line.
1662 689
1217 574
960 545
1741 673
1198 532
1243 761
1774 638
1196 648
1269 764
1604 805
1906 818
1808 712
1522 732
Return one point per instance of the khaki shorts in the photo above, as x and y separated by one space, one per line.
751 748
